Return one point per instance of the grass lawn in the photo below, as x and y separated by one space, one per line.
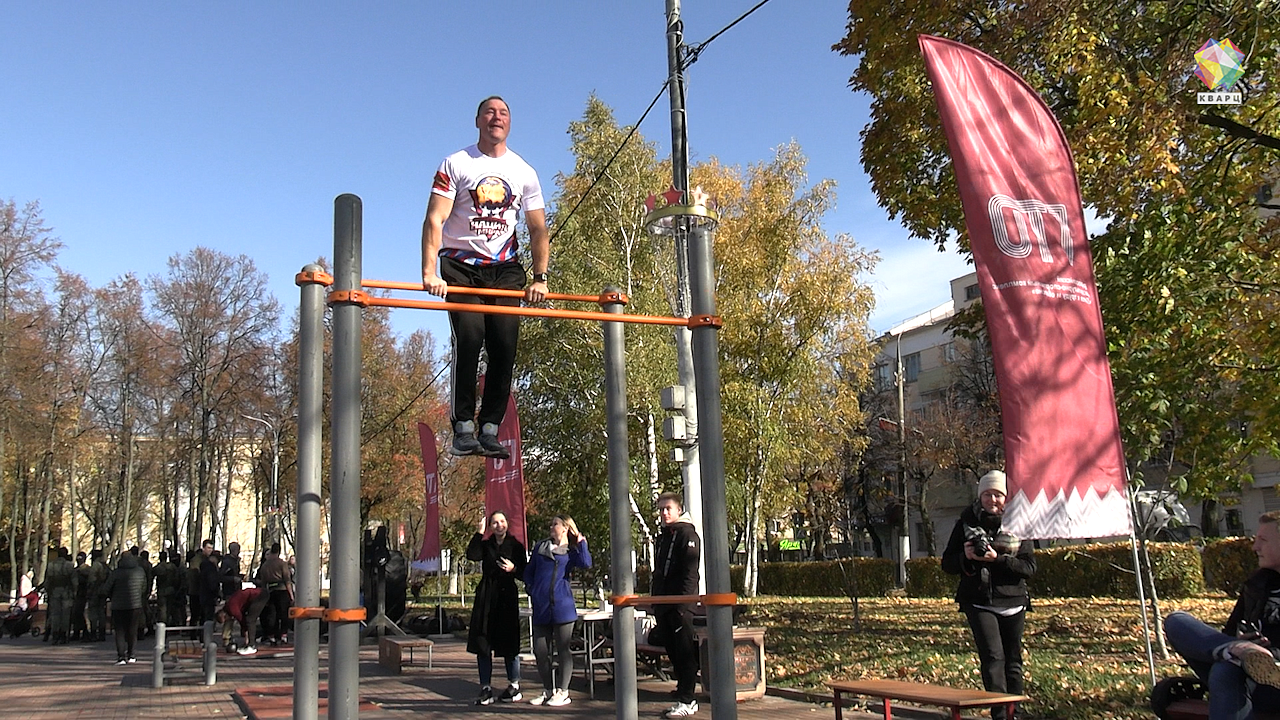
1084 657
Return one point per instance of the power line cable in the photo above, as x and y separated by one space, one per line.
690 58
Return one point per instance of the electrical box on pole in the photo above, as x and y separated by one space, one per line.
673 429
673 398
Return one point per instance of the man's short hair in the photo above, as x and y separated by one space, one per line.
480 107
206 542
673 497
1270 518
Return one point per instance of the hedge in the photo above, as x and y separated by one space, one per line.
1228 563
925 578
1095 570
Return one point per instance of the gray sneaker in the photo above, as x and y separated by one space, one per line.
489 445
511 694
486 696
464 439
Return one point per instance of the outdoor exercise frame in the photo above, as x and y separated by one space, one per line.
347 298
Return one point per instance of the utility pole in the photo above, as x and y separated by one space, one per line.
273 511
690 465
904 537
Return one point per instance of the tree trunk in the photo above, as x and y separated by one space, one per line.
926 522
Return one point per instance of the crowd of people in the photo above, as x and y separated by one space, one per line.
177 590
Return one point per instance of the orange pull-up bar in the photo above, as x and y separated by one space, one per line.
363 299
489 292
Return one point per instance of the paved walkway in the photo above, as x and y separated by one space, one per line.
40 682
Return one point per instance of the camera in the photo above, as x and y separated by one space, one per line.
979 539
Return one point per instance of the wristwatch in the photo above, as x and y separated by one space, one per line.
540 277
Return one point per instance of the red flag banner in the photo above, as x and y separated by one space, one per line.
504 479
429 555
1025 221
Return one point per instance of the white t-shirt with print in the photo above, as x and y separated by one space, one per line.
488 194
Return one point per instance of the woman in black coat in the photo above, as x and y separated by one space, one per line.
495 616
993 569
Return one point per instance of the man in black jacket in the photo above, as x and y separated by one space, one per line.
675 572
1245 648
124 587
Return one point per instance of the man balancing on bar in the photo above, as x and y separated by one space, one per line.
471 229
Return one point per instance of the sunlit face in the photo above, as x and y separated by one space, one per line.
992 501
494 121
1267 545
669 511
498 523
558 531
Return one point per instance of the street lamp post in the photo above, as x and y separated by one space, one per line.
274 509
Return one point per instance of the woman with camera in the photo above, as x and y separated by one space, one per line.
546 578
993 568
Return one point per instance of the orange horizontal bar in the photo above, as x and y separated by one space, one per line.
525 311
303 613
651 600
484 292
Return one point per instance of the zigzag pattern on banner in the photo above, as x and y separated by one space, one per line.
1068 516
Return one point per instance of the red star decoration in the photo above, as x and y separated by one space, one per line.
673 196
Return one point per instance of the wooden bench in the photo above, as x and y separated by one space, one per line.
391 651
937 695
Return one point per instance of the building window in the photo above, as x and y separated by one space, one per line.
921 540
971 292
949 352
1235 524
884 376
911 367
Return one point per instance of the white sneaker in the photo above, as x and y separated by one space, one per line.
247 650
545 696
680 709
558 698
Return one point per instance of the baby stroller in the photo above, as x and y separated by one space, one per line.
21 618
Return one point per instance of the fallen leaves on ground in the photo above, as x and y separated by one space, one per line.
1085 657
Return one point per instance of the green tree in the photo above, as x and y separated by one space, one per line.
560 376
795 337
1187 268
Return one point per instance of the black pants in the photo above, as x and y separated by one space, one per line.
676 624
125 624
279 601
497 334
999 642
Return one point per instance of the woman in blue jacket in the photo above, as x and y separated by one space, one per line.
546 578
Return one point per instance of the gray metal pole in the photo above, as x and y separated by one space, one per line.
344 472
715 535
306 643
624 626
690 468
157 659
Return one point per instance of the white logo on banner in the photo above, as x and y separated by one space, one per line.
1028 217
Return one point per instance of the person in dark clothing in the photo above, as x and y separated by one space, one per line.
993 569
124 588
144 562
195 558
98 575
1244 649
59 588
210 586
167 576
80 600
546 578
273 575
232 576
495 616
675 572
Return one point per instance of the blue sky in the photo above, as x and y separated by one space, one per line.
148 128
